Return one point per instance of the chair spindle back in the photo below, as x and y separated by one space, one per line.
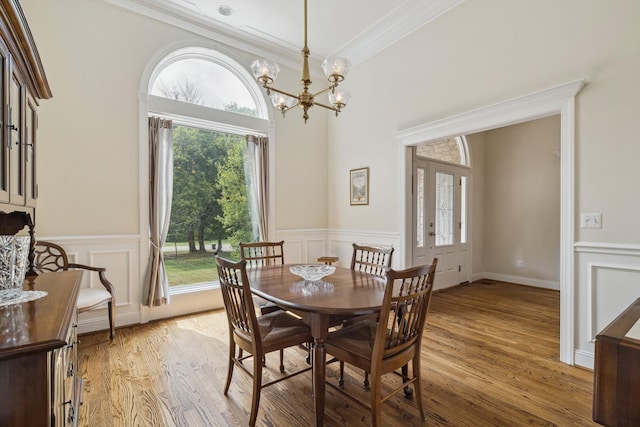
404 308
236 295
372 260
262 254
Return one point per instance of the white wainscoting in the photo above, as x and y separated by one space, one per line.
608 282
306 246
303 246
340 242
120 256
608 275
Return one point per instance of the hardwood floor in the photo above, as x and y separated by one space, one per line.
490 358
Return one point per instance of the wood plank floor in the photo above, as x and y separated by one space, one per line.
490 358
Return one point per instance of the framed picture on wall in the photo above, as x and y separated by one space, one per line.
359 181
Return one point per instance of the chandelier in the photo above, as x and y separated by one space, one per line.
335 69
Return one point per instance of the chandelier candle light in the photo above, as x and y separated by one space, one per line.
335 69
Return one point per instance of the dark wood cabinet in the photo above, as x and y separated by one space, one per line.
616 394
22 84
39 384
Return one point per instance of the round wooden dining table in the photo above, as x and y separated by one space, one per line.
321 304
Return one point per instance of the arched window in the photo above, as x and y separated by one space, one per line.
205 82
451 150
214 105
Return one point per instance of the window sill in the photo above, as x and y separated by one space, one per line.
189 289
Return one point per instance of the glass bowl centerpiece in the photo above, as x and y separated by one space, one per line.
312 272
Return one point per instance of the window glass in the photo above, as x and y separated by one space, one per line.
463 209
420 210
206 83
210 212
446 150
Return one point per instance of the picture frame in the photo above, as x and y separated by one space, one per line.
359 186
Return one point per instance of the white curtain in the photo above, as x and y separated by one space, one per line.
160 191
258 161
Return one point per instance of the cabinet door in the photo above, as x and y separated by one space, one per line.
15 137
4 130
31 125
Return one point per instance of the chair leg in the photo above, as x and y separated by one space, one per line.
112 325
416 385
341 378
257 387
376 405
282 361
408 391
232 363
365 383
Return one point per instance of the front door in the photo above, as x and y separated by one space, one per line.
440 220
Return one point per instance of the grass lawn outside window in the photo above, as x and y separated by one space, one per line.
184 268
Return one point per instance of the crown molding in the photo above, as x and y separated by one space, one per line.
246 39
391 28
399 23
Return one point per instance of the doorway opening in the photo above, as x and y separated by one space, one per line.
556 100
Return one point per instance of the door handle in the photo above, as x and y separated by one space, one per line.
431 233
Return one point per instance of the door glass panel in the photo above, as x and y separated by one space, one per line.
30 147
444 209
420 211
463 209
3 117
15 167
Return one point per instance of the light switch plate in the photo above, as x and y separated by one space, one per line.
591 220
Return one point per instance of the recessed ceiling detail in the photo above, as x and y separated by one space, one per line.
360 29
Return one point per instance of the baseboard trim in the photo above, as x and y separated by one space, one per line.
519 280
584 359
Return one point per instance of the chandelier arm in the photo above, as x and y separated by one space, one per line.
327 89
328 107
290 108
273 89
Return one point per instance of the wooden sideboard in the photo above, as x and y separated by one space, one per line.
616 393
38 359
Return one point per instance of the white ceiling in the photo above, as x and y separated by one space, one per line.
355 29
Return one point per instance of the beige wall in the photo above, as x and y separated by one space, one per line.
477 144
501 49
94 55
522 200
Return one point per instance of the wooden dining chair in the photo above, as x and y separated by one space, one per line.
262 254
384 346
372 260
50 257
255 335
